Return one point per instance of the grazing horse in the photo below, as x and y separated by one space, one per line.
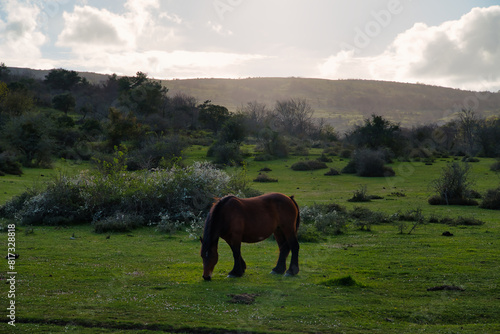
238 220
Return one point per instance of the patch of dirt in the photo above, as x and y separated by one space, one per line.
244 298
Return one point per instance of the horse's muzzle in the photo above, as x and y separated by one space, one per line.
207 278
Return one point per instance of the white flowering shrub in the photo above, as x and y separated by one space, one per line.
176 195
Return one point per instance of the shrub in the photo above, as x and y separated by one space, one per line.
453 187
119 222
495 167
263 177
329 219
9 164
227 153
369 163
360 195
364 218
309 233
308 165
95 196
491 199
332 172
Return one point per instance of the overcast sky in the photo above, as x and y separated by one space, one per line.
454 43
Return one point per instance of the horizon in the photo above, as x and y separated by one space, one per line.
446 43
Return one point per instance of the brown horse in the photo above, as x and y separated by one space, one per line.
238 220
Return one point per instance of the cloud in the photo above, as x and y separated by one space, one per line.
143 38
463 53
88 27
20 40
164 65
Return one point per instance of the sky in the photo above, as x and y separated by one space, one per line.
452 43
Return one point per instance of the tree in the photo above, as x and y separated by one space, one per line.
454 186
4 72
122 126
377 133
29 136
61 79
15 102
468 122
293 116
64 102
212 116
142 95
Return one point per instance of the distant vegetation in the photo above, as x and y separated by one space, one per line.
136 124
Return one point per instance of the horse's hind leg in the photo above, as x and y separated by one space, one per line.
294 263
284 251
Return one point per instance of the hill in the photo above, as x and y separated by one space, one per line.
342 103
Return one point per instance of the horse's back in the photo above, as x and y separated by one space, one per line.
258 217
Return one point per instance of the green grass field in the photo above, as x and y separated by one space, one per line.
70 279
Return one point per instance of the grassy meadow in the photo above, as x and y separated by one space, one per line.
71 279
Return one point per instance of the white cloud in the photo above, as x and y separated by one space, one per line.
462 53
87 27
20 40
140 40
162 64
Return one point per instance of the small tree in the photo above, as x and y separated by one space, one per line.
453 186
62 79
64 102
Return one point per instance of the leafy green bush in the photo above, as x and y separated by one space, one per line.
9 164
119 222
491 199
263 177
327 219
309 233
94 196
308 165
369 163
360 195
453 187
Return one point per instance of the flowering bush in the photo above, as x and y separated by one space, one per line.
180 194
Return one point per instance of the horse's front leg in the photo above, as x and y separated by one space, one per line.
239 263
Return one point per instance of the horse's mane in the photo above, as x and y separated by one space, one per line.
207 232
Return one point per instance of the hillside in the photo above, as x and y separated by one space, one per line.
343 103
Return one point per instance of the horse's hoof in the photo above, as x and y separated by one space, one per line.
274 273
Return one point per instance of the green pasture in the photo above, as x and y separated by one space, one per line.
70 279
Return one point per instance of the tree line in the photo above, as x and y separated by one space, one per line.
66 116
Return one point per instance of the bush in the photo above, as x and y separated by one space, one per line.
227 153
9 164
309 233
360 195
368 163
119 222
332 172
491 199
308 165
329 219
263 177
95 196
453 187
495 167
364 218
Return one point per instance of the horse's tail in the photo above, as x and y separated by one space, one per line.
297 223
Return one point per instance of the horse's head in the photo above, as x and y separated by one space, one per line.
210 257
